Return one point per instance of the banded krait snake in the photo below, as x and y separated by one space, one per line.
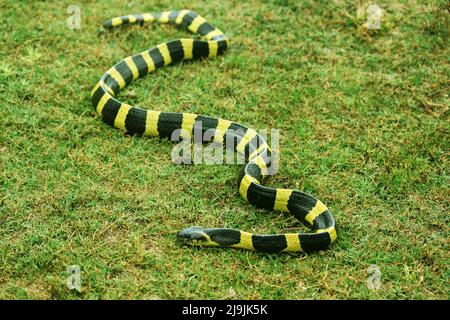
137 121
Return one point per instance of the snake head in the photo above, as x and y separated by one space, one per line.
193 236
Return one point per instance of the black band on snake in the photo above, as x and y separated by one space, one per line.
138 121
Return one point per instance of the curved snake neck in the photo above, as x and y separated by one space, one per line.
246 141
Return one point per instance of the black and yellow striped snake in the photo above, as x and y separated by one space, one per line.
137 121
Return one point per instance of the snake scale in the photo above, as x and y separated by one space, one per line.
138 121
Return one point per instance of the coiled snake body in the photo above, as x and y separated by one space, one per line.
247 141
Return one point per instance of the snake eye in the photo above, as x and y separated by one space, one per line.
192 235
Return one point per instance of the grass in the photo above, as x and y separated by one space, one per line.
363 116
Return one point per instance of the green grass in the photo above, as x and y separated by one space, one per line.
364 126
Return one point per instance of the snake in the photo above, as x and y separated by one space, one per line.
136 121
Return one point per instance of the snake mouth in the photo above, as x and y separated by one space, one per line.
192 236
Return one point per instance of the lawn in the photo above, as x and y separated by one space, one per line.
363 116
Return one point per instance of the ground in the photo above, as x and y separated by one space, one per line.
363 117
